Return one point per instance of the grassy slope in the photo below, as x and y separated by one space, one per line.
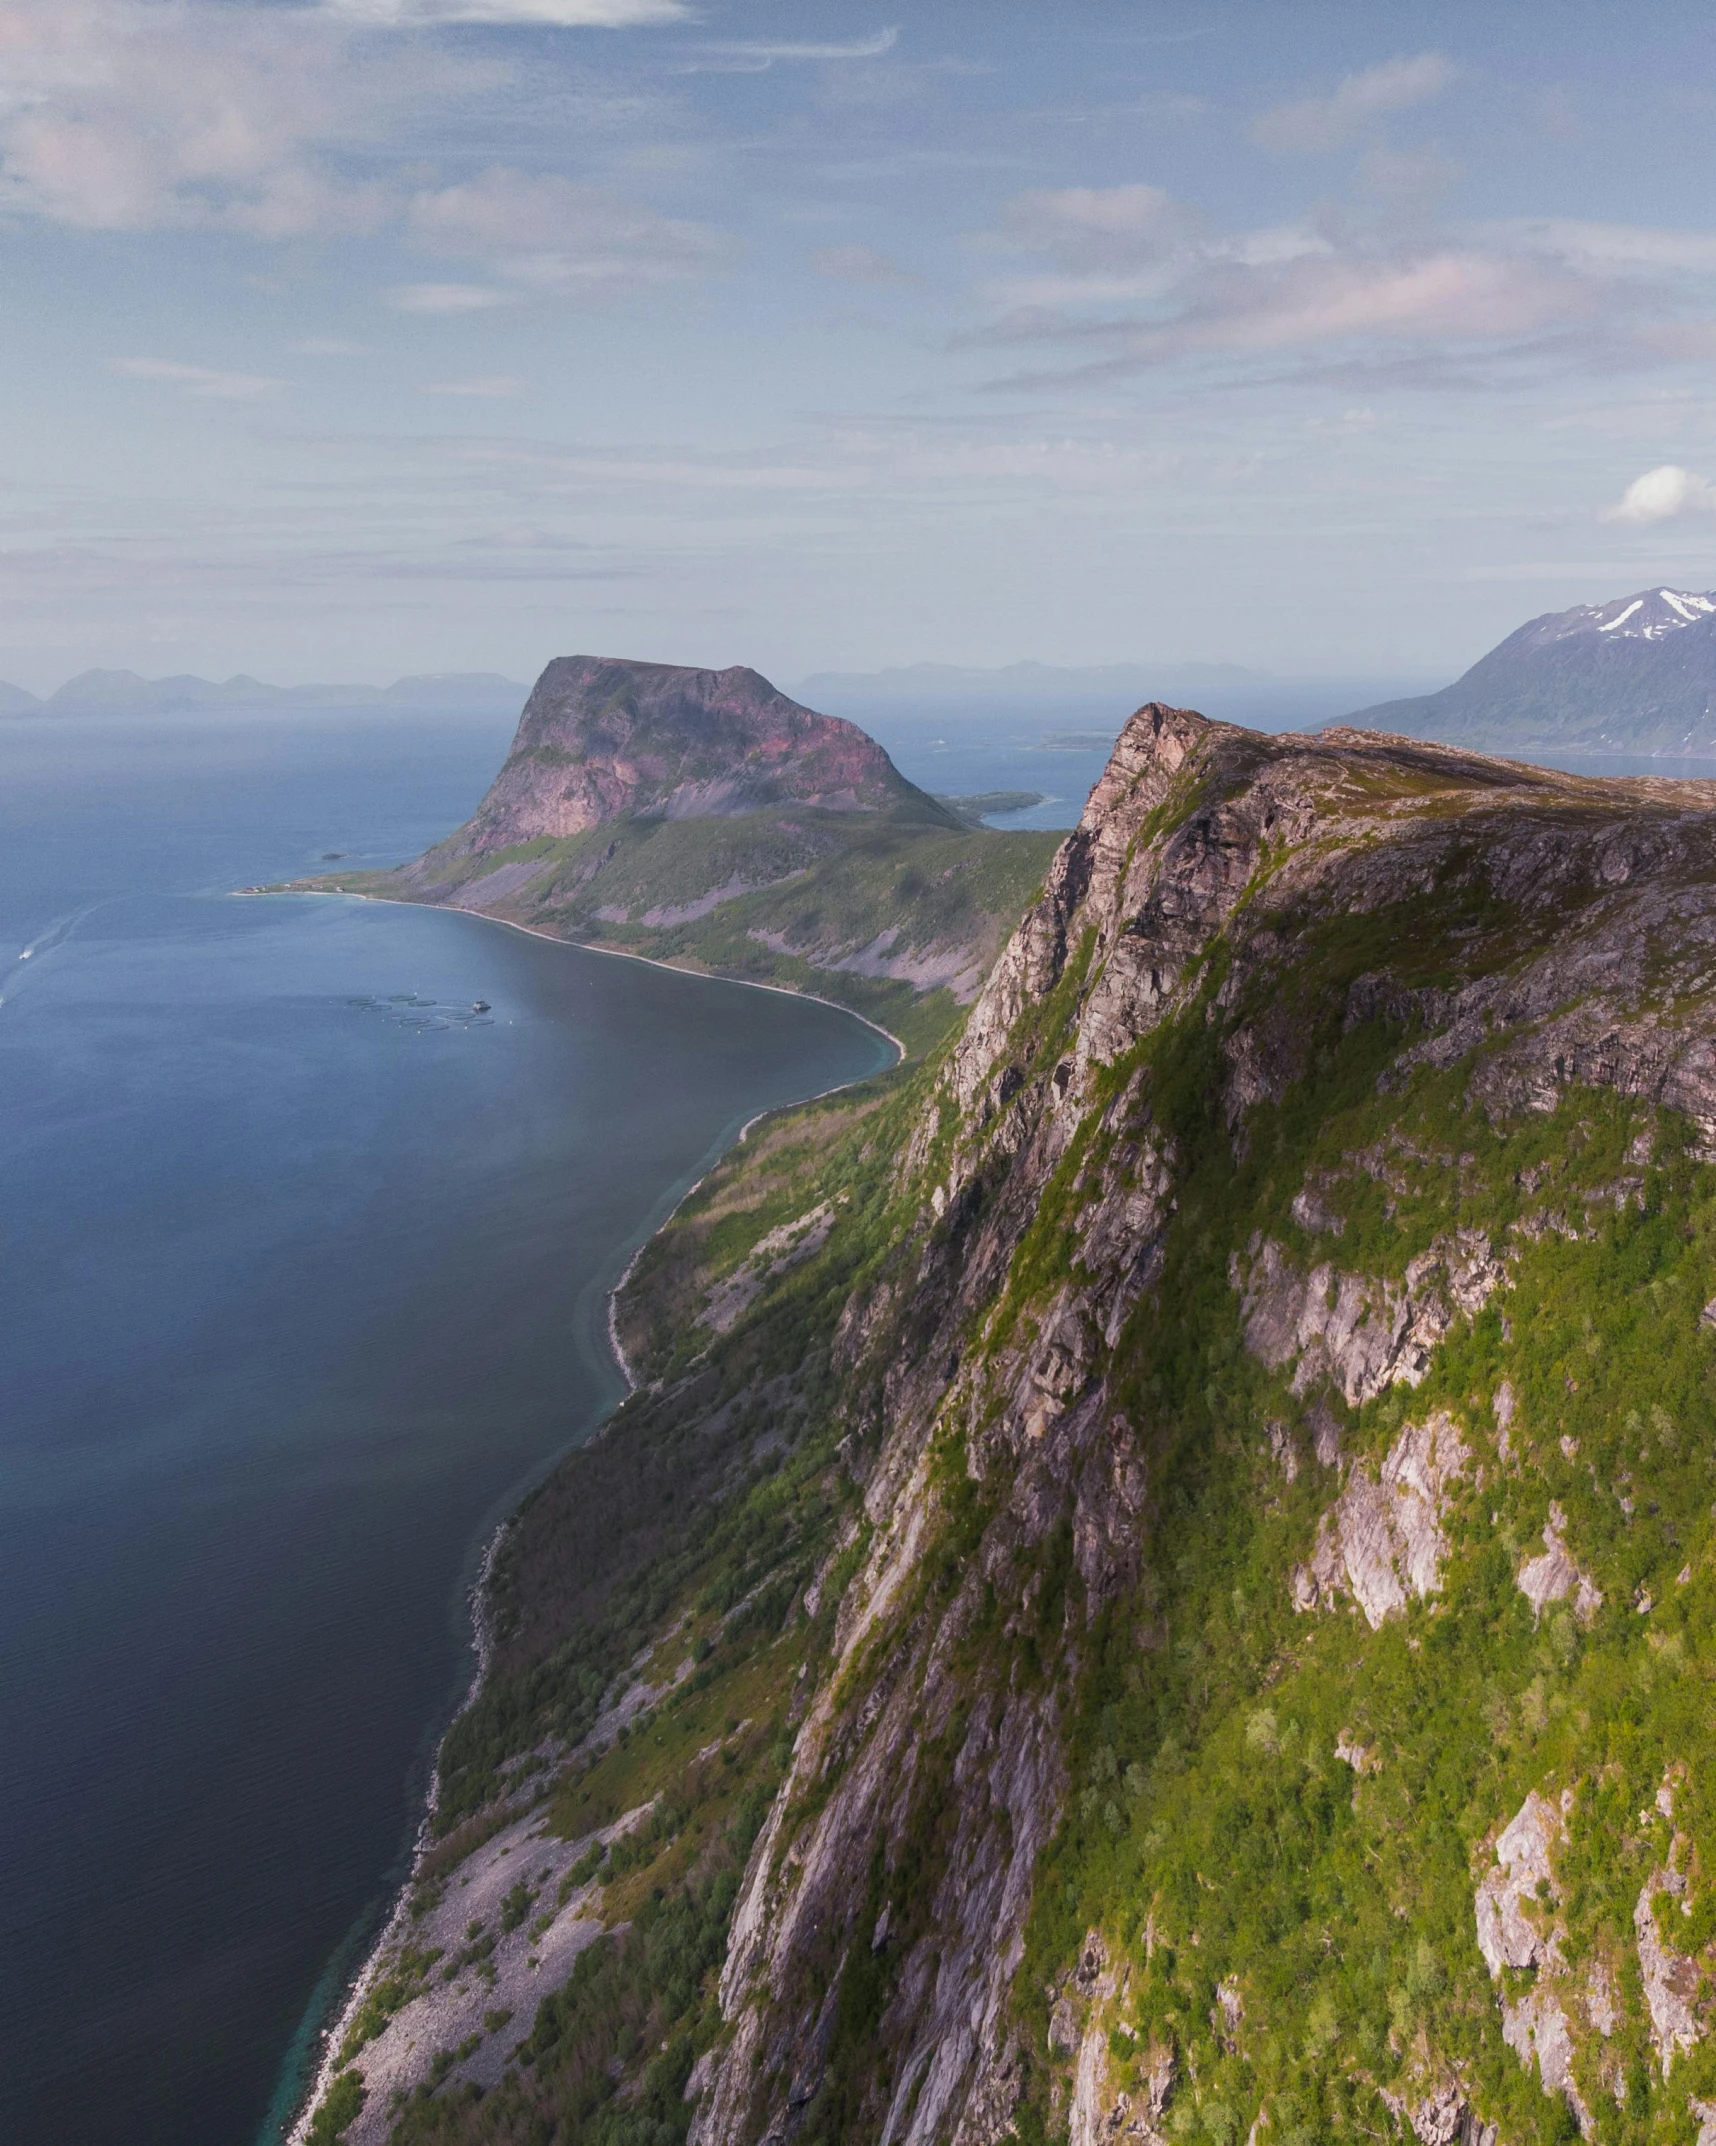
827 884
708 1507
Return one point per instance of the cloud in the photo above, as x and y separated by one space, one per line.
200 379
447 297
554 235
331 346
859 264
1319 124
128 115
1099 227
553 14
757 57
1644 249
490 387
1662 495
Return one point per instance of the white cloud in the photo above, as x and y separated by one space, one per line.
139 114
200 379
754 57
551 234
1317 124
1662 495
553 14
489 387
1611 248
859 264
1099 227
447 297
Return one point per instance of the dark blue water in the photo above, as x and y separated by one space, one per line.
302 1272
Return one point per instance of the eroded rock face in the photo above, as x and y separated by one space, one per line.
1517 1928
1382 1542
600 737
1554 1576
1361 1333
1671 1981
973 1377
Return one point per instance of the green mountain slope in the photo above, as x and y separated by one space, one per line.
1161 1581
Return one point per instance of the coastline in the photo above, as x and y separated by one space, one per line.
333 2035
611 953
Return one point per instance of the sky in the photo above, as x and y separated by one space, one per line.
345 338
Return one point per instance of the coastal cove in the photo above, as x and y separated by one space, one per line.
309 1283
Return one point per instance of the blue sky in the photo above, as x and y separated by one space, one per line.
366 336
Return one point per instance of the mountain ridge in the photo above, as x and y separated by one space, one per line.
1159 1580
1636 674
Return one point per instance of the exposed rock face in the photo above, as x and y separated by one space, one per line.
1383 1540
1554 1576
1671 1982
1362 1334
995 1411
1517 1929
601 737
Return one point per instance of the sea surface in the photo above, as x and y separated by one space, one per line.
303 1264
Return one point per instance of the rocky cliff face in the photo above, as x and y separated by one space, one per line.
908 1960
601 738
1240 1585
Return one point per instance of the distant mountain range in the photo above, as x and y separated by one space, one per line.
125 693
1636 675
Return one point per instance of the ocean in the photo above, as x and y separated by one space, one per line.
303 1268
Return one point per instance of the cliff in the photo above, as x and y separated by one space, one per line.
703 818
1162 1581
600 739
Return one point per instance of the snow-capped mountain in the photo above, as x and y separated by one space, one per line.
1636 674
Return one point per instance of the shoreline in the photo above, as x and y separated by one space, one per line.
333 2035
611 953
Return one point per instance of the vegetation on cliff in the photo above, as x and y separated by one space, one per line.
1191 1512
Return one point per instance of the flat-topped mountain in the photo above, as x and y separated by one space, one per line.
701 817
603 738
1635 675
1160 1583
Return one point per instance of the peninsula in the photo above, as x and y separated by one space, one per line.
702 818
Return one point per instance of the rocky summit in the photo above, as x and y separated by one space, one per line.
602 738
1635 675
1159 1579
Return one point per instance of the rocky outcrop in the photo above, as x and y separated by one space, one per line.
1554 1576
1518 1929
1671 1981
1382 1542
601 737
1361 1334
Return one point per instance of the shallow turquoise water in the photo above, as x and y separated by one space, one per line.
303 1274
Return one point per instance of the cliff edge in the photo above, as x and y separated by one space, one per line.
1163 1566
